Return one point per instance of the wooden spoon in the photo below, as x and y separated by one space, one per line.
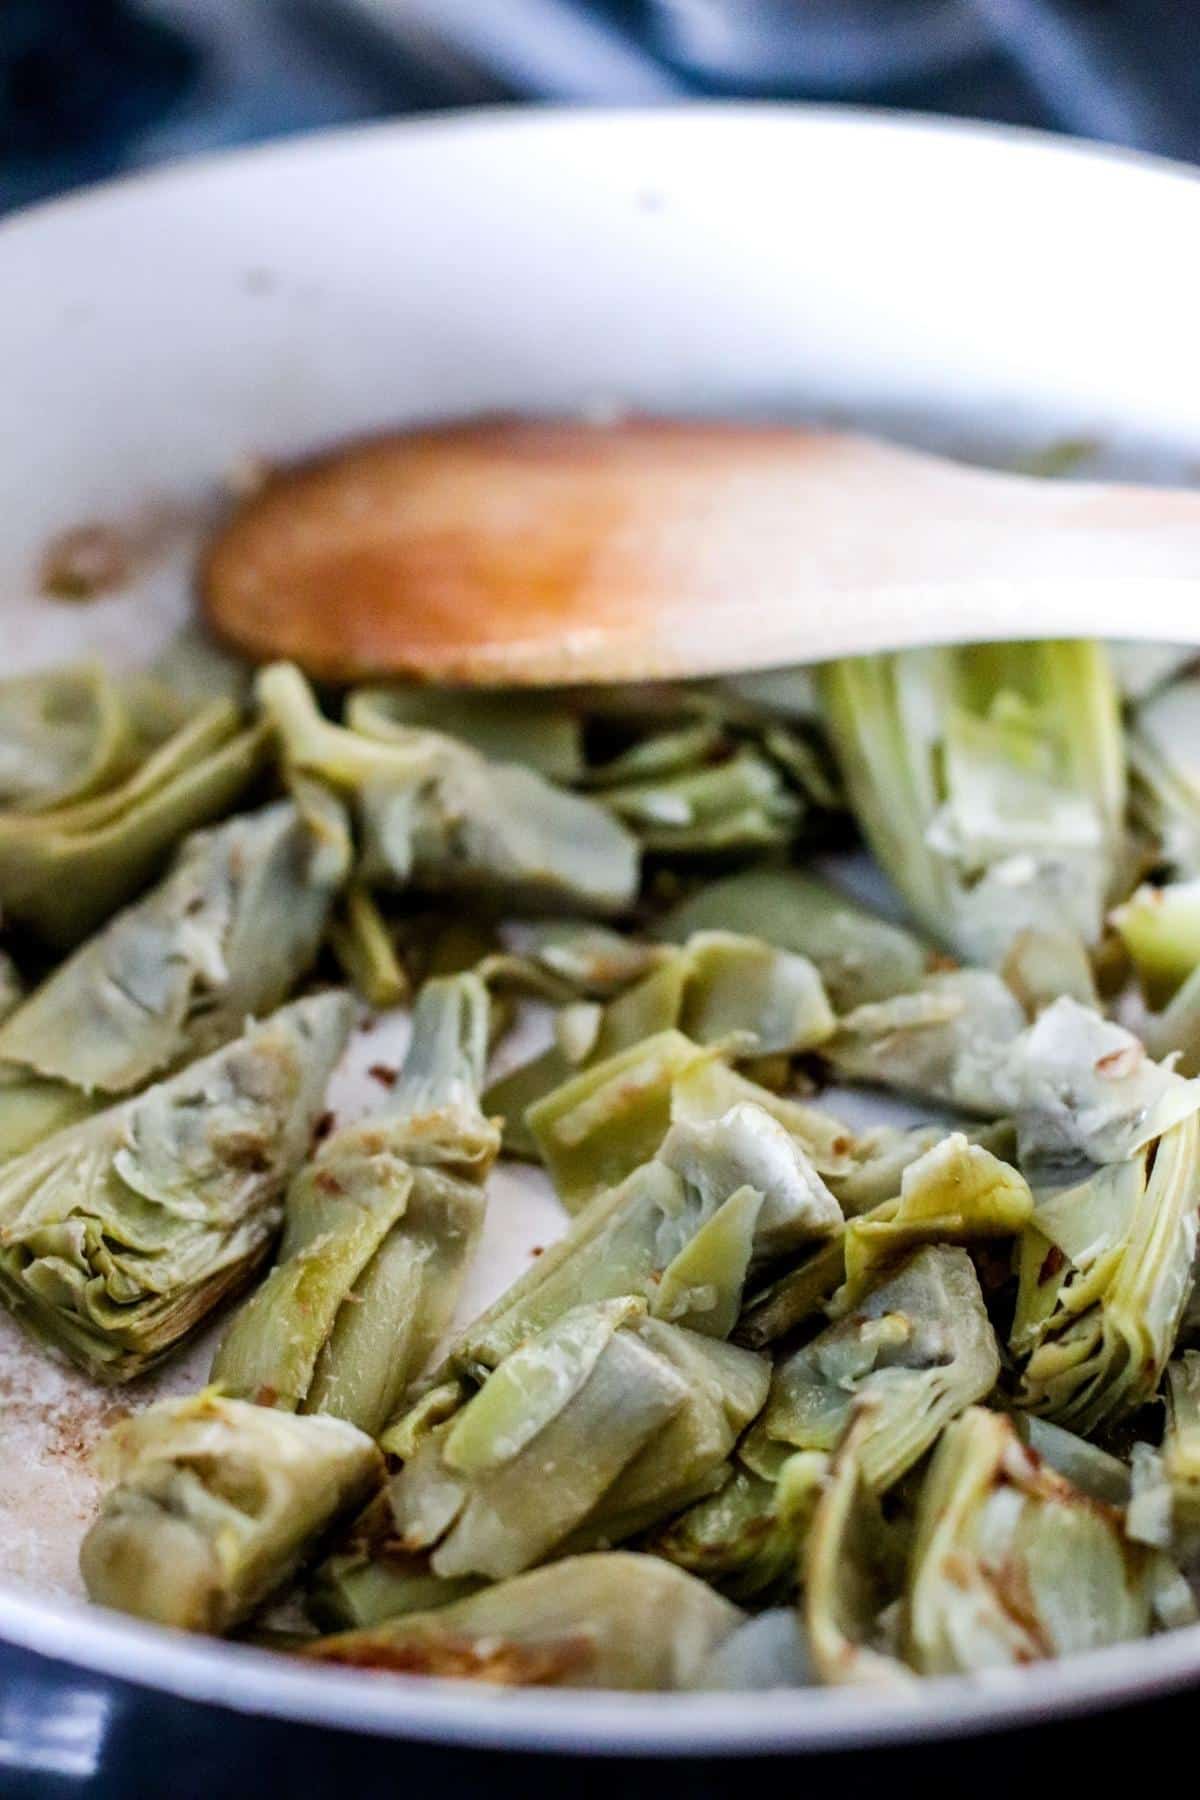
499 552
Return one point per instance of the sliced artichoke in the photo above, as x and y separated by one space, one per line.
683 1232
64 734
611 1620
1164 762
1011 1564
119 1235
1160 928
748 1538
434 814
380 1228
860 957
853 1576
223 938
956 1193
1083 1090
920 1347
1105 1270
215 1505
942 1042
538 730
990 782
360 939
593 1429
739 804
63 872
718 989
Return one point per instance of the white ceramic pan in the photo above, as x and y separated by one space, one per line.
986 291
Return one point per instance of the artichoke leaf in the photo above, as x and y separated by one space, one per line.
215 1505
596 1427
433 813
62 873
224 937
1010 1563
534 729
942 1042
955 1193
612 1620
683 1232
919 1347
380 1227
718 989
859 956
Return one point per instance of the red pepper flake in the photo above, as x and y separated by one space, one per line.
323 1127
384 1074
536 1249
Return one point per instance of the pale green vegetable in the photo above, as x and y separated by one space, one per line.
1105 1272
591 1430
853 1575
741 803
683 1231
568 959
608 1120
706 1089
1164 761
1092 1470
215 1505
63 872
1043 965
1175 1031
1083 1090
223 938
64 734
1160 928
719 989
944 1041
363 945
538 730
602 1621
955 1193
859 956
992 1209
1010 1563
432 813
990 782
1165 1509
748 1538
380 1229
919 1347
119 1235
370 1577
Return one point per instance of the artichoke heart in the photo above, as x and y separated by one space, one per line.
1012 1564
920 1347
380 1227
942 1041
64 734
119 1235
224 937
434 814
63 872
615 1620
1083 1090
859 956
683 1231
990 782
1105 1270
718 989
215 1504
596 1428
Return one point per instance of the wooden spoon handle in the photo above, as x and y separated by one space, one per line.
541 553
